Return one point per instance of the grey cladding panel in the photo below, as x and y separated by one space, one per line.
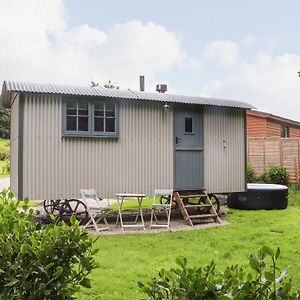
189 170
14 146
224 150
139 161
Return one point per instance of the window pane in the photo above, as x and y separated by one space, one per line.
285 132
71 123
110 124
99 109
110 110
188 125
98 124
71 108
83 109
83 124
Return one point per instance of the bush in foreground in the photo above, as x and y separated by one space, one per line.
4 153
263 281
41 262
272 174
250 174
275 174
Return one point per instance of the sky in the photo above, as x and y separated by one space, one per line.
239 50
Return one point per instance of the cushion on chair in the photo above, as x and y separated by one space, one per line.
99 207
160 206
163 192
89 193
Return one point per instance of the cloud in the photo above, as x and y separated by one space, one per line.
248 41
38 45
224 52
269 83
134 47
272 42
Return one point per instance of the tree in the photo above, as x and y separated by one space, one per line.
4 122
108 85
94 83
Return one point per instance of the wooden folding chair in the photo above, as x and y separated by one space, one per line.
97 209
162 201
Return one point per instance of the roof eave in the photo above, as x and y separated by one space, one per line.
5 96
17 87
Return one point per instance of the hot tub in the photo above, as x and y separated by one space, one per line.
260 196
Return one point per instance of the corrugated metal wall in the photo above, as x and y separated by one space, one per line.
224 150
14 146
139 161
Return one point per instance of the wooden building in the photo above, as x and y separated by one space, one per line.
261 124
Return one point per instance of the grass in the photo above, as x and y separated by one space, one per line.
4 144
35 204
125 259
129 205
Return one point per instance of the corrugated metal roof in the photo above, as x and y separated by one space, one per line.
45 88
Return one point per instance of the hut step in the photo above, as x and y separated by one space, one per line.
189 214
203 216
192 196
197 205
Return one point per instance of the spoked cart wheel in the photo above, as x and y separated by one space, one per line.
164 199
73 207
214 201
50 206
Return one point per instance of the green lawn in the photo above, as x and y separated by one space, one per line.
125 259
132 204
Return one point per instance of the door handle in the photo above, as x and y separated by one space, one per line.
177 139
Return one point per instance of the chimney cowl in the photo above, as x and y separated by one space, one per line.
161 88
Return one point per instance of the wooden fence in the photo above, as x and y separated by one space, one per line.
284 152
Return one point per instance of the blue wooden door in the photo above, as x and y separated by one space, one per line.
188 130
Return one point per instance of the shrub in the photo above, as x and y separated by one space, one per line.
4 153
4 122
275 174
250 174
41 262
261 282
6 167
